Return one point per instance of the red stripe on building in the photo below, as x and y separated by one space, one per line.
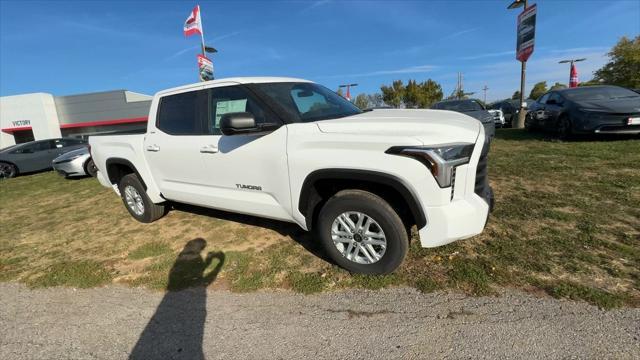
104 122
10 130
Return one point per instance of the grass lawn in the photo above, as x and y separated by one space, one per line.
566 223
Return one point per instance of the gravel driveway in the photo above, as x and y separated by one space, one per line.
118 323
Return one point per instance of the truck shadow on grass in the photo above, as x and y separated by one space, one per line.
302 237
176 329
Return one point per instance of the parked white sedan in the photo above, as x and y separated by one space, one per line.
75 163
498 117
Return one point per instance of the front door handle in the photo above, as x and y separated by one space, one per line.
154 148
209 149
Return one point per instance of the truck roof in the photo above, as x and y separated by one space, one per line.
235 80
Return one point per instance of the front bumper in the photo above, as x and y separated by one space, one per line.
459 220
471 202
70 168
590 123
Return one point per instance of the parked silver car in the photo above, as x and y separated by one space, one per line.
34 156
75 163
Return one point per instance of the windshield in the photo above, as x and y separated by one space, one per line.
460 105
600 93
306 102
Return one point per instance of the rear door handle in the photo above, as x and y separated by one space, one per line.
154 148
209 149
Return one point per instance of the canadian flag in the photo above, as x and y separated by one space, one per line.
193 25
573 76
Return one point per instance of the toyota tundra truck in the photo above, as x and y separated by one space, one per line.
292 150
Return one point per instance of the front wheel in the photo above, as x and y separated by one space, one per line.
7 170
565 131
90 168
528 123
136 200
362 233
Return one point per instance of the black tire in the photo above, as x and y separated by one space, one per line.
7 170
528 123
565 129
150 211
90 168
373 206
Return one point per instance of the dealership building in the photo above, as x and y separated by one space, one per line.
41 116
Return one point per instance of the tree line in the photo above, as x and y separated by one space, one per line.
623 69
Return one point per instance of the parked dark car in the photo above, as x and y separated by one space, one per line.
472 108
586 110
510 109
34 156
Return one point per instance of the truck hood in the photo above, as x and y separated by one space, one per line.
428 126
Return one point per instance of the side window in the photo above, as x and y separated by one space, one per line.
233 99
556 97
69 142
26 149
543 98
44 145
183 114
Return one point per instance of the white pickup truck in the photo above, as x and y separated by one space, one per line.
292 150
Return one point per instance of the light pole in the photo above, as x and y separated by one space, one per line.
571 61
522 113
348 86
485 88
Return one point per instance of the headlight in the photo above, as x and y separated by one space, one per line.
441 160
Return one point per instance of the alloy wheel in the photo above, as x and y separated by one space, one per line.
134 200
358 237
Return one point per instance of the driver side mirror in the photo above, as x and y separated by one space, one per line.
238 123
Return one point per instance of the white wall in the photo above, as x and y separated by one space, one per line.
38 108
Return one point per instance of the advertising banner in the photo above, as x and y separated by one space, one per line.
205 67
526 33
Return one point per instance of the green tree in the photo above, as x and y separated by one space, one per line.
375 99
516 95
411 94
340 92
624 67
393 95
430 93
362 101
538 90
558 86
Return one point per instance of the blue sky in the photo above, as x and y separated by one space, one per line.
74 47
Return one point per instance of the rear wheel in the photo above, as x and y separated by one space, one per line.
137 201
90 168
362 233
7 170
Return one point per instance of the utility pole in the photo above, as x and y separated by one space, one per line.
485 88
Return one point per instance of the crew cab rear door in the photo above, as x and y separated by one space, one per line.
176 133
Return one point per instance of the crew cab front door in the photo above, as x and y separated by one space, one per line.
248 172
